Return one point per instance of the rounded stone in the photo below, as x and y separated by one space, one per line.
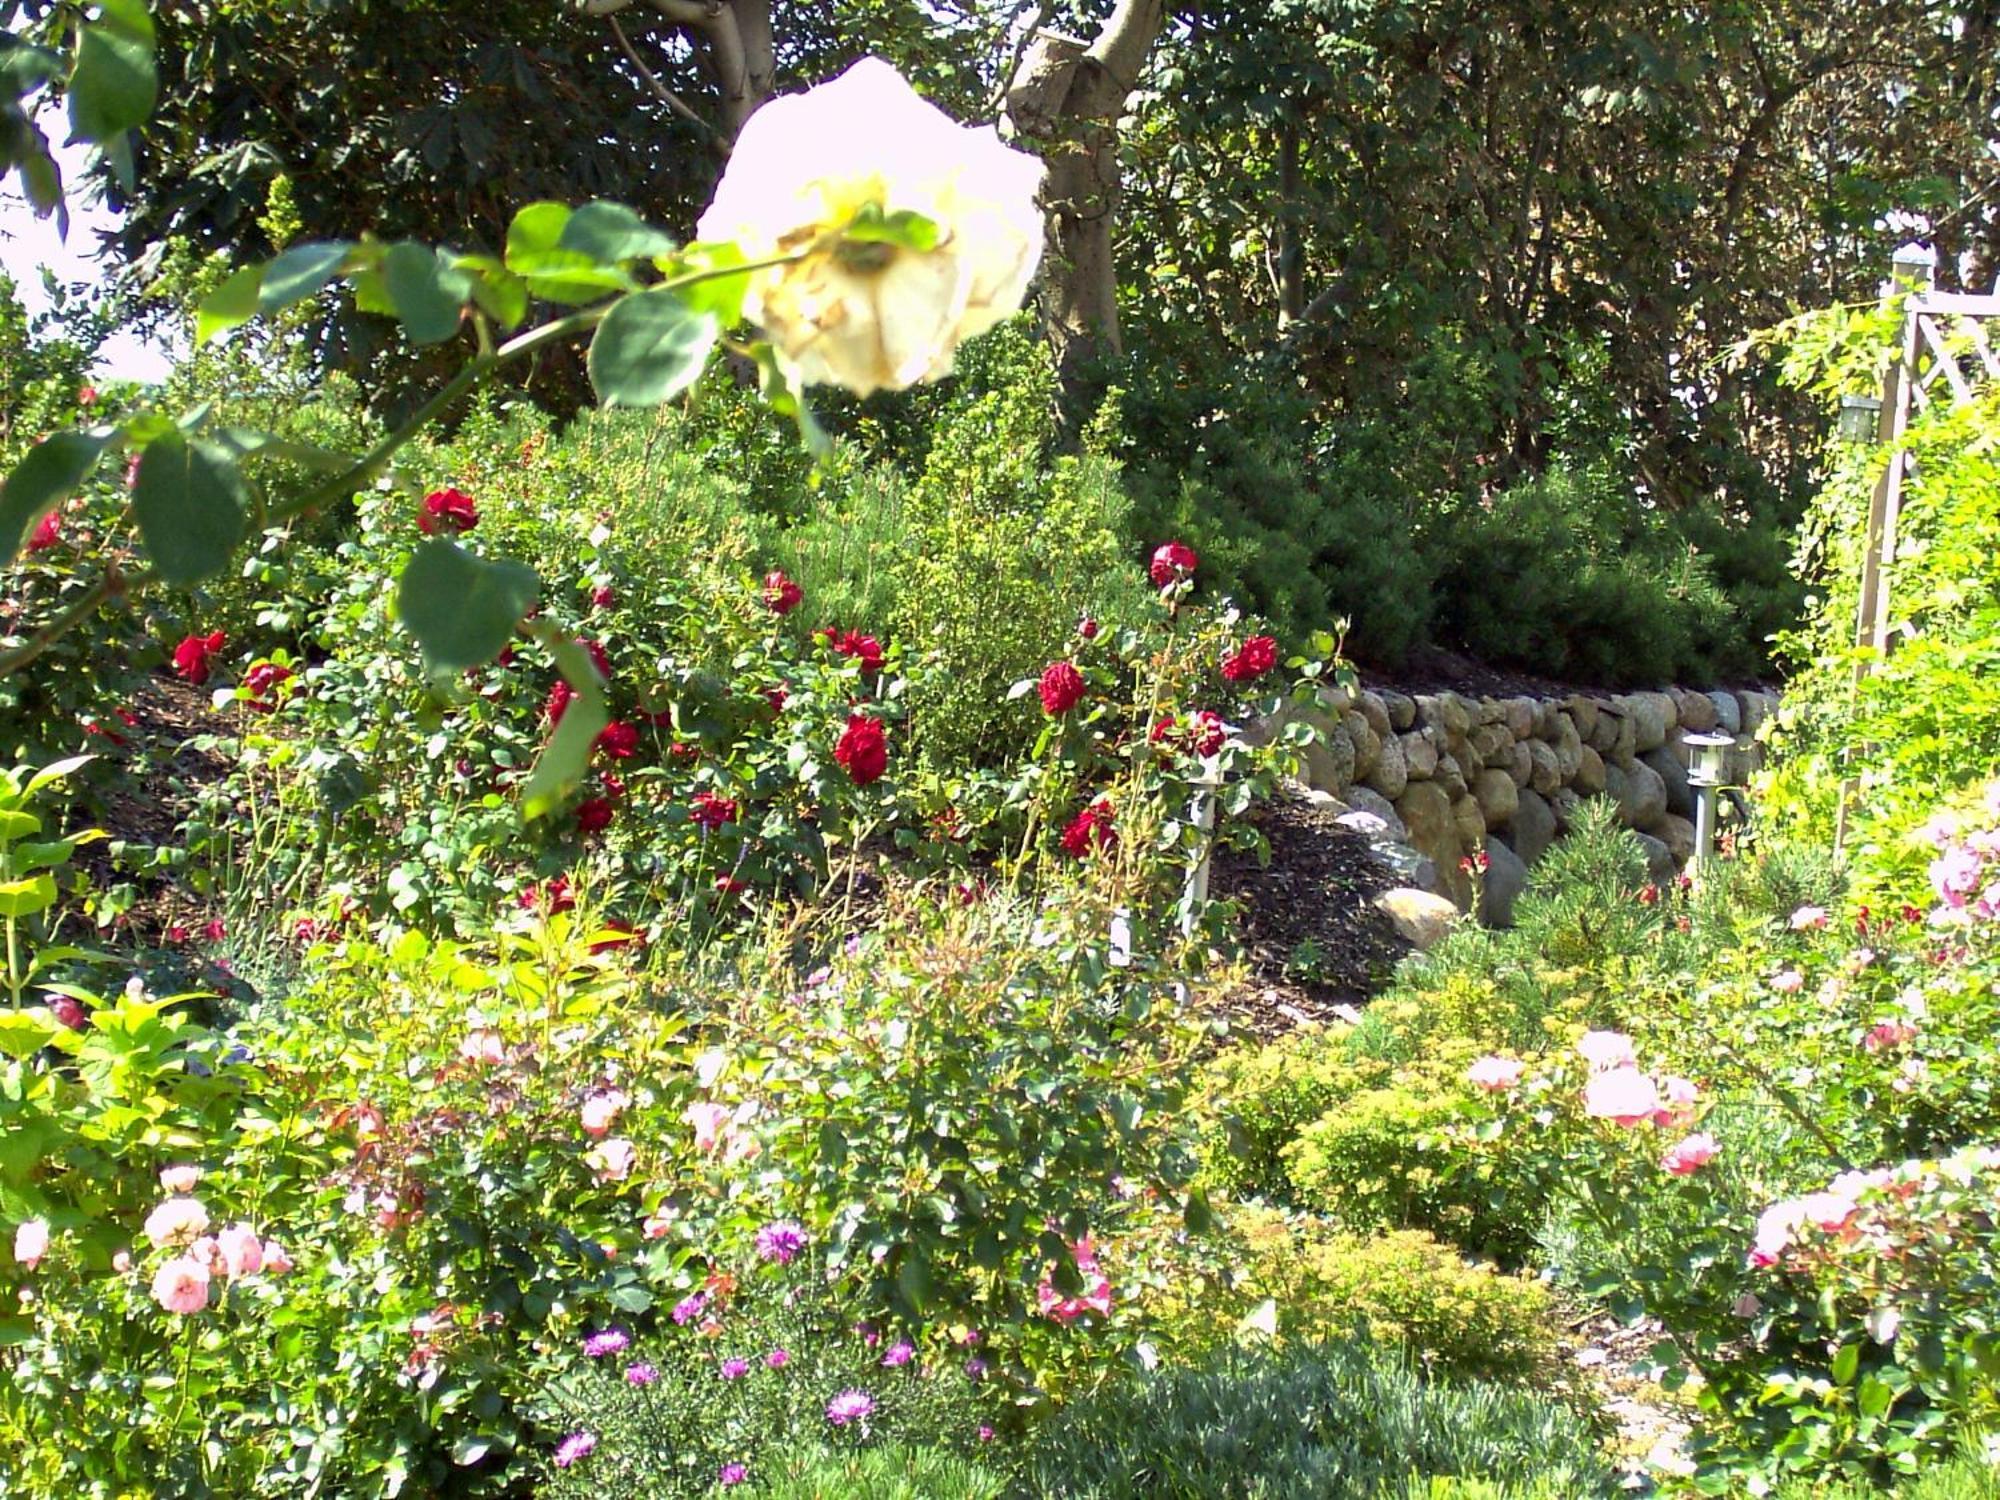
1426 812
1651 716
1674 777
1590 772
1520 763
1568 749
1364 800
1390 774
1469 820
1755 709
1565 804
1498 797
1534 827
1677 834
1501 886
1422 919
1376 712
1420 754
1728 713
1520 717
1402 710
1330 765
1645 795
1582 713
1697 712
1455 713
1367 743
1545 770
1450 775
1603 736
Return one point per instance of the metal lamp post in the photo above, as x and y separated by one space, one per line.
1708 772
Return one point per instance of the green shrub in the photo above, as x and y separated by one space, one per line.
1262 1096
888 1472
1387 1158
1457 1318
1325 1419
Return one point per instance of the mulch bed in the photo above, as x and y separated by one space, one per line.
1312 941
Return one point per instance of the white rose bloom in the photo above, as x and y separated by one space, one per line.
863 315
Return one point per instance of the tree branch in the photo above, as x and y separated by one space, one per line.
1122 46
660 91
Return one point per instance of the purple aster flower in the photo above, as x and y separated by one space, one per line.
735 1369
849 1406
985 1432
689 1308
732 1474
607 1341
781 1241
870 1334
975 1368
641 1374
777 1359
577 1445
900 1353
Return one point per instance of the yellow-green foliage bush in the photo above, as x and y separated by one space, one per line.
1388 1158
1460 1318
1261 1097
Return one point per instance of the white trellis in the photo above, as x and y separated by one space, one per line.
1950 345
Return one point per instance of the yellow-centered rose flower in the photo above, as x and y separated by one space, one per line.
864 313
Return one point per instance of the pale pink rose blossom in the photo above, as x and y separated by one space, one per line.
1678 1097
1888 1036
178 1221
611 1160
658 1223
122 1262
181 1286
242 1253
179 1179
601 1111
1685 1158
1775 1228
1495 1075
709 1120
1789 982
31 1242
276 1261
1605 1050
483 1046
1809 919
1828 1212
1624 1096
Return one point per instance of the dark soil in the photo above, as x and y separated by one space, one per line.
1432 669
1312 939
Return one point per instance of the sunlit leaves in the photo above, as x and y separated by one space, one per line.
425 289
45 475
650 347
112 85
191 505
567 755
462 608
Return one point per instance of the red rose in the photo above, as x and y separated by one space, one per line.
1061 688
778 697
781 595
69 1012
863 648
1172 561
1087 628
862 750
712 810
559 699
552 895
1251 660
603 596
47 532
619 740
447 510
613 785
729 885
1093 828
1207 733
262 680
594 815
682 750
213 930
616 935
1162 730
191 655
92 726
126 716
86 395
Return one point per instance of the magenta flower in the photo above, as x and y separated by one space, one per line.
689 1308
641 1374
777 1359
849 1406
735 1369
781 1241
731 1475
577 1445
975 1368
900 1353
607 1341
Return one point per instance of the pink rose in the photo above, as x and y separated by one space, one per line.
1809 919
709 1120
612 1161
178 1221
276 1261
1775 1228
1677 1101
181 1286
483 1046
31 1242
1887 1036
1789 982
1606 1049
1685 1158
1496 1075
1624 1096
179 1179
601 1110
1827 1212
241 1251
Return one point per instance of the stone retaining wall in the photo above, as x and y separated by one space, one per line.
1449 775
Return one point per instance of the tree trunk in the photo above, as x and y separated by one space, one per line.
734 41
1065 101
